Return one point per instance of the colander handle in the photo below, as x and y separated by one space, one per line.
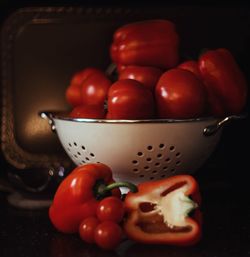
48 116
212 129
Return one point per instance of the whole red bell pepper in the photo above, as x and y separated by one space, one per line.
146 43
225 83
148 76
129 99
77 196
192 66
89 87
159 212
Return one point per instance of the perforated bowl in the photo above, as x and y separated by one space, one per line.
139 150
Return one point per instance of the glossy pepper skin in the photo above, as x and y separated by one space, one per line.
148 76
147 43
145 212
75 198
89 87
129 99
192 66
224 81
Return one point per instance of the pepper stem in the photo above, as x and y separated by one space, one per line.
104 189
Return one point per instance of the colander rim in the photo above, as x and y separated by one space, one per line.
59 115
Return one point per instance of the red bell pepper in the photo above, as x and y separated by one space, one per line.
192 66
159 212
77 196
148 76
89 87
225 83
129 99
147 43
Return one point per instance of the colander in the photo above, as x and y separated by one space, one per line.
139 150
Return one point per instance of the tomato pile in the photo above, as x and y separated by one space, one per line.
103 228
151 80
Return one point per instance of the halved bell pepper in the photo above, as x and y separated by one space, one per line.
77 196
159 212
146 43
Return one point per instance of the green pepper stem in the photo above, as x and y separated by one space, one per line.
133 188
103 189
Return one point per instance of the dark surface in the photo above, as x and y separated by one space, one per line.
226 211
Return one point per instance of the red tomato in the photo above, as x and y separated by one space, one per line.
95 89
110 208
191 66
129 99
108 235
88 112
73 92
87 229
180 95
148 76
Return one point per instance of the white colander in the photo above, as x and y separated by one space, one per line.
139 150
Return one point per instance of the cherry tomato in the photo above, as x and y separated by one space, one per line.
87 229
191 66
110 208
129 99
180 94
73 92
108 235
148 76
88 112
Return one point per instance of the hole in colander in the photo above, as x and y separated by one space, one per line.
68 149
165 167
178 154
75 144
135 170
150 147
78 153
149 159
173 170
151 178
168 160
75 156
140 154
146 167
154 171
171 148
87 158
163 176
70 144
83 147
157 164
92 155
142 176
159 156
135 162
178 162
161 146
83 161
